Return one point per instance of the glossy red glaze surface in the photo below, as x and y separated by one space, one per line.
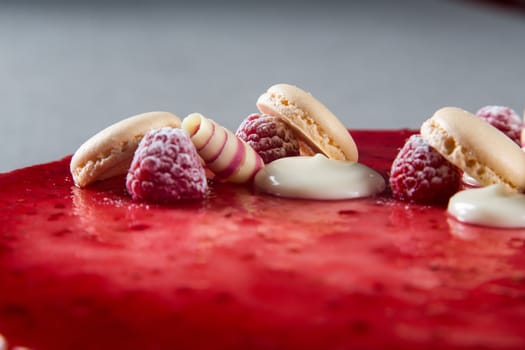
90 269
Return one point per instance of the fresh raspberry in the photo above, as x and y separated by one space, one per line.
166 168
269 136
503 119
420 174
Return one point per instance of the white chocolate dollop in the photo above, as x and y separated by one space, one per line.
493 205
318 177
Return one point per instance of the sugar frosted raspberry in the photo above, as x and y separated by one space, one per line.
269 136
420 174
166 168
503 118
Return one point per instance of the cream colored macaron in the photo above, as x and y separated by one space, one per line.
109 152
312 121
476 147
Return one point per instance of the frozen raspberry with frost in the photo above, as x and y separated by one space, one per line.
269 136
166 168
420 174
504 119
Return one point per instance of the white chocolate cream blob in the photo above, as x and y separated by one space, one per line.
318 177
493 206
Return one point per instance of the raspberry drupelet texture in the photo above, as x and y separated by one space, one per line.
504 119
166 168
420 174
269 136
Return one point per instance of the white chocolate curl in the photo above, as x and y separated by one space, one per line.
227 156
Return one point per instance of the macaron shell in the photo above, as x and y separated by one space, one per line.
311 120
109 152
475 146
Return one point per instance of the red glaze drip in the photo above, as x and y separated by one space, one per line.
90 269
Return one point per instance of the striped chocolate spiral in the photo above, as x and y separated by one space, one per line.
227 156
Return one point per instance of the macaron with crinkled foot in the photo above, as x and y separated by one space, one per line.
479 149
312 121
110 152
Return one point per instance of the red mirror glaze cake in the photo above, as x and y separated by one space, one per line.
91 269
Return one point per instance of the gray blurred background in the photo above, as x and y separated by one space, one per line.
69 69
